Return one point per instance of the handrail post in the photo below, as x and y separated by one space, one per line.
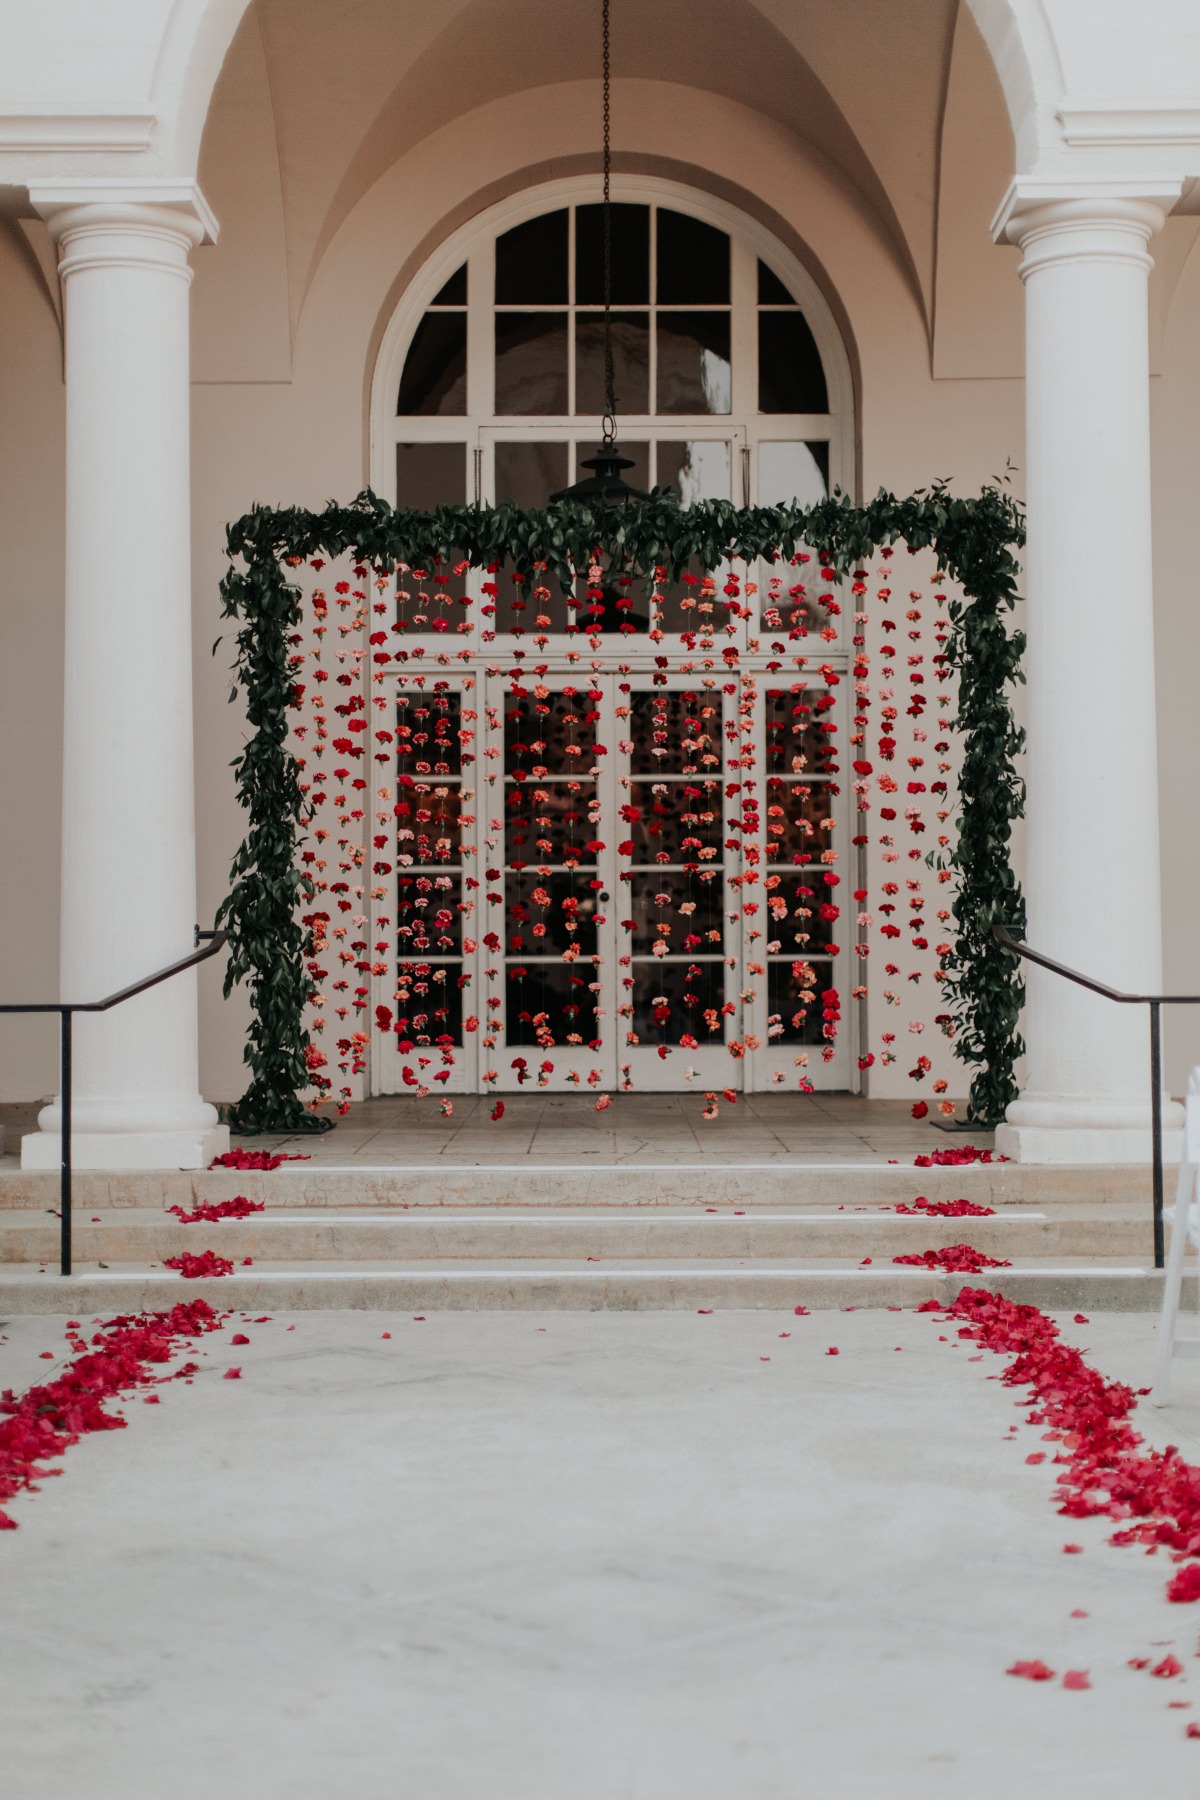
1156 1127
64 1126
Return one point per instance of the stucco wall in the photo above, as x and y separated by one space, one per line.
280 413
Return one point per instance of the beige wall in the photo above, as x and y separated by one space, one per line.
31 637
282 366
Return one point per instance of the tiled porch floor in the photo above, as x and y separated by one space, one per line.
636 1128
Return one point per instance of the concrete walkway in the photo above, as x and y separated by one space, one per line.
582 1557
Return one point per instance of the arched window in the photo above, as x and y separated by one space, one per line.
731 382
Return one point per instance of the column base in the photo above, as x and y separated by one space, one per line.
127 1149
1085 1143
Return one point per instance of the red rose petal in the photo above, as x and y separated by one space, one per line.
1186 1585
1193 1730
833 1350
1031 1671
239 1337
1076 1678
1169 1667
232 1375
1072 1549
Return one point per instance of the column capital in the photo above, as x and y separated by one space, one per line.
1135 206
73 203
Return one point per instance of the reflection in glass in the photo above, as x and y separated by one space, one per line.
793 474
430 475
631 362
790 376
531 262
693 362
697 470
530 473
434 382
693 261
531 363
630 255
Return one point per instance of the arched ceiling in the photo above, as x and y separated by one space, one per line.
354 84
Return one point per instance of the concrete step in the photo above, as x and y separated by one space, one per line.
644 1184
568 1286
336 1235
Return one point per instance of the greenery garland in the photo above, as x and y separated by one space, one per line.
975 540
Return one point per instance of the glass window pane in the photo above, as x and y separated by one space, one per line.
435 370
693 261
556 734
531 363
790 376
794 991
675 733
684 912
454 291
428 1002
693 363
677 821
427 740
673 1000
771 291
431 475
530 473
630 255
697 470
428 917
631 362
793 474
547 914
800 731
549 1004
531 262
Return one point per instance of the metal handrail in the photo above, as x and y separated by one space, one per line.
1155 1002
66 1010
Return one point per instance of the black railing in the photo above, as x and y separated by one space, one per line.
1155 1002
66 1010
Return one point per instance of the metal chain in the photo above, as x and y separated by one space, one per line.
610 398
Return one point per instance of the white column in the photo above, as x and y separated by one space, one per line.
128 840
1092 871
